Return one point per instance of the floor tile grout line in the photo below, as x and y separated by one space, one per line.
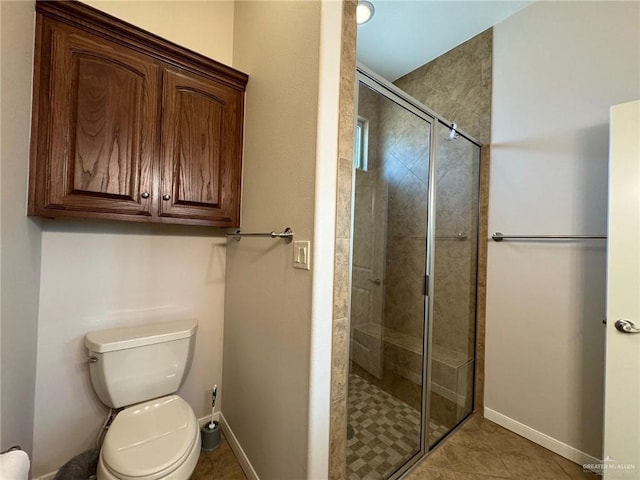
477 422
487 475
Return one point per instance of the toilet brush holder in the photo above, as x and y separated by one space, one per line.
210 436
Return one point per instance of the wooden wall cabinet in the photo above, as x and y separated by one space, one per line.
129 126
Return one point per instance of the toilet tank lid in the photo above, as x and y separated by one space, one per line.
139 335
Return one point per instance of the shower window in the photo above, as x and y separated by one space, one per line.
361 150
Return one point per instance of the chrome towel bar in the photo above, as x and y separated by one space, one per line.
498 237
457 236
287 235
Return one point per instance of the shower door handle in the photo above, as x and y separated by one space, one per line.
376 281
626 326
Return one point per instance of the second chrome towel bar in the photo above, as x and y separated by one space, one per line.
498 237
457 236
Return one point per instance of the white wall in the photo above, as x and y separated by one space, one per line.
324 235
101 274
268 303
558 67
20 236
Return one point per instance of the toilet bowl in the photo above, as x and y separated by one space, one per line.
155 440
156 436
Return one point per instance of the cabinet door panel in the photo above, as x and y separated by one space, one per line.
106 146
102 138
199 131
202 148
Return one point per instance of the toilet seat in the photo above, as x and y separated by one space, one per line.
150 440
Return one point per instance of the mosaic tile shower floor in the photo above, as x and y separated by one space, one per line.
386 431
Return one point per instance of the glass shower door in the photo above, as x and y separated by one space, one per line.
453 319
386 364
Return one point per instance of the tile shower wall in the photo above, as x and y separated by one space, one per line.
454 308
340 347
367 227
456 85
390 226
369 238
455 260
404 148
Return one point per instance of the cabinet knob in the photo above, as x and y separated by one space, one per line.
166 197
144 194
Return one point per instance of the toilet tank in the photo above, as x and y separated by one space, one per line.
129 365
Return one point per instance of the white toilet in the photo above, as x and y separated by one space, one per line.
157 436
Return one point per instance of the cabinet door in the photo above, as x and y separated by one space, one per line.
201 150
100 132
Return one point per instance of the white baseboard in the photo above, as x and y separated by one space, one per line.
48 476
237 450
550 443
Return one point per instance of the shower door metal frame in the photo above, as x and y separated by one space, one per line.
406 101
382 85
392 95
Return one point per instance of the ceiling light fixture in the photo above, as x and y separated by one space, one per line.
364 11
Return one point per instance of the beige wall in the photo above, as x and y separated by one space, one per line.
203 26
20 237
101 274
268 303
558 67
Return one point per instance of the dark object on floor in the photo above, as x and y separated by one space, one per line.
210 435
80 467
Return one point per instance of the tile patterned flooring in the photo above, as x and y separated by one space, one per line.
386 431
221 464
482 450
479 450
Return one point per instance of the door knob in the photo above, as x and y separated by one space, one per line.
166 197
376 281
144 194
626 326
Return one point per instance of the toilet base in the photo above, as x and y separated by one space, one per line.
183 472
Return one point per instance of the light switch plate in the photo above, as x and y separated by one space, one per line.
302 255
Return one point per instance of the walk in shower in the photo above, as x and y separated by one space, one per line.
413 281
